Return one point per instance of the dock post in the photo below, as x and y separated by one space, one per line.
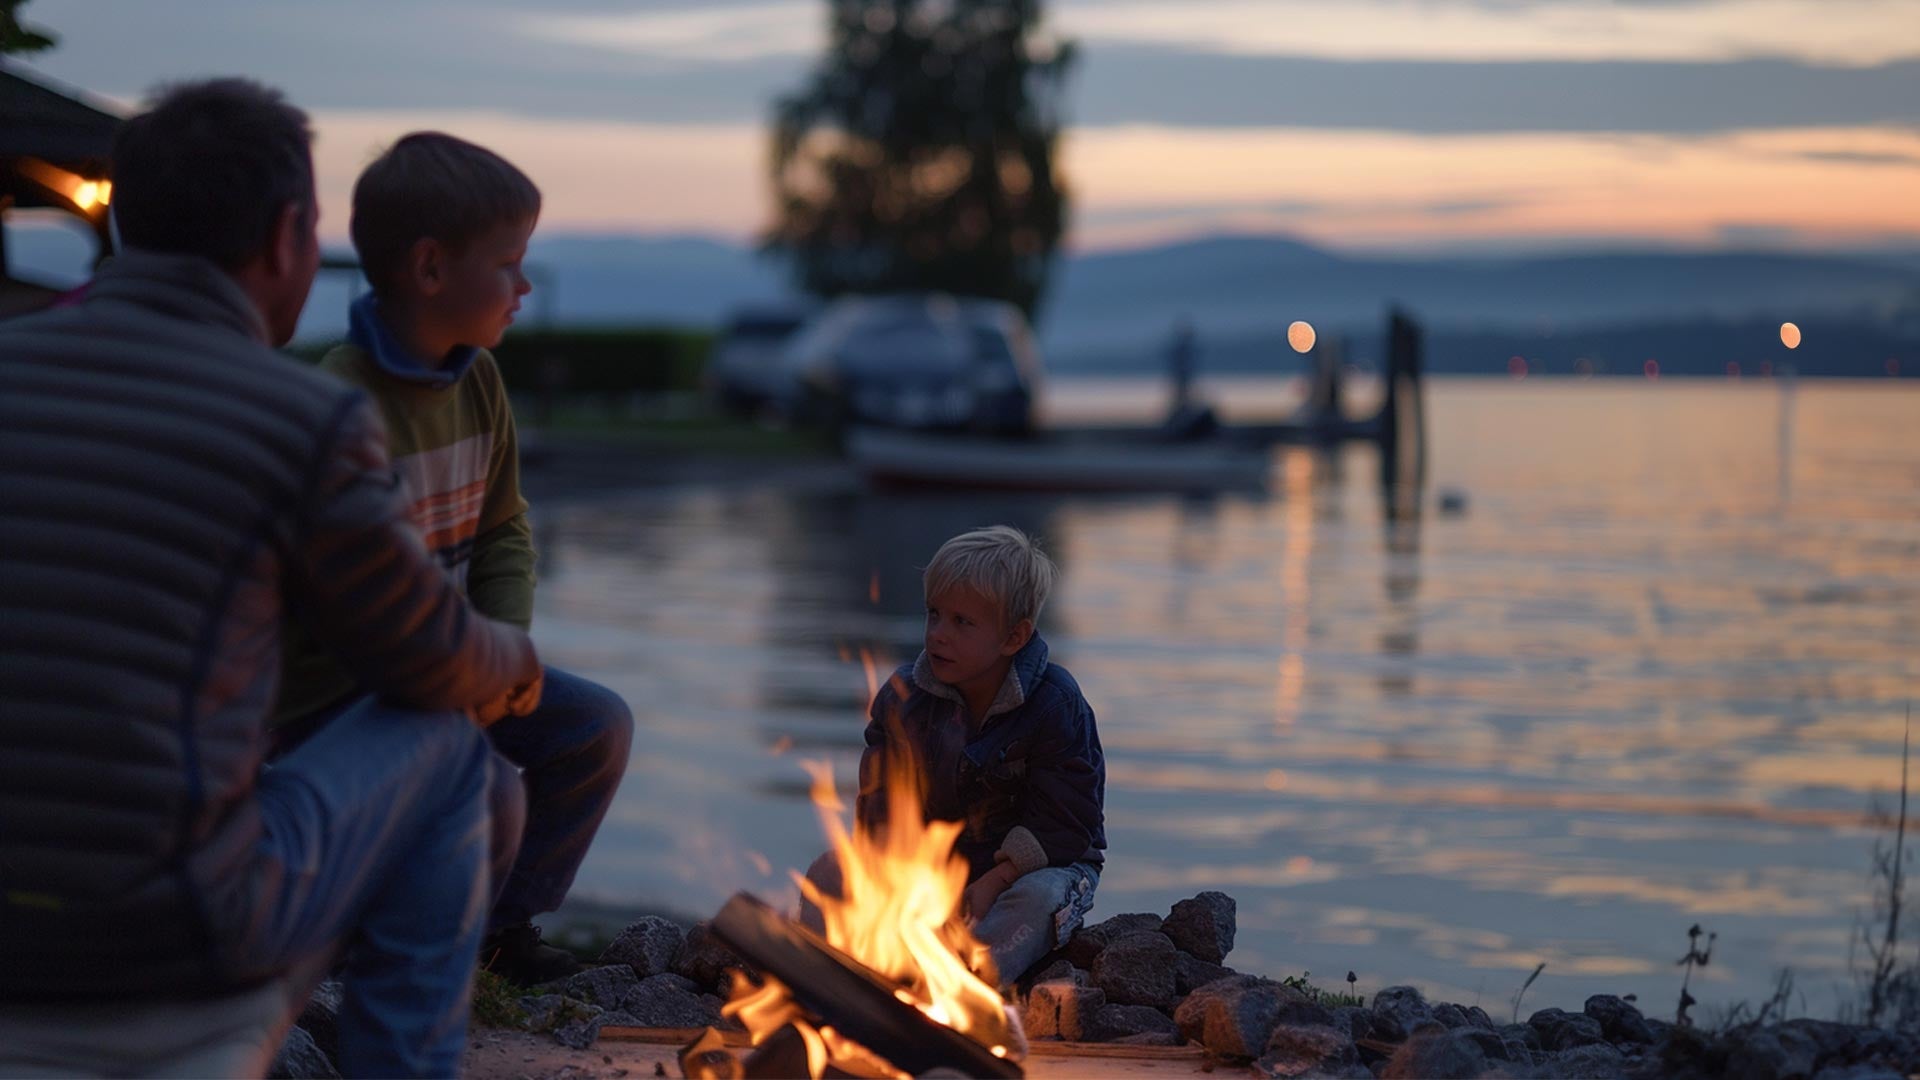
1402 428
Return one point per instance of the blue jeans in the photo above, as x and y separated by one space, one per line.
377 839
1036 915
573 751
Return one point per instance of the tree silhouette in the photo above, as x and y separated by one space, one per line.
18 38
920 152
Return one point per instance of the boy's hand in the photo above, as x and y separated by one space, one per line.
526 697
519 701
979 897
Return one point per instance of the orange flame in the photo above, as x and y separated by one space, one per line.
898 913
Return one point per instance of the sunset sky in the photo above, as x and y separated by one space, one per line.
1405 124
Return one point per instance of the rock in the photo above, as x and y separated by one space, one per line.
1191 973
705 959
1520 1043
1560 1030
1440 1055
1308 1050
1858 1072
1397 1011
1522 1034
300 1058
1779 1053
1450 1016
1595 1061
1619 1021
1234 1018
1061 1009
1111 1023
1478 1017
1151 1038
1877 1045
543 1010
606 986
1087 942
647 945
1494 1047
321 1018
671 1001
1138 969
1203 927
1058 970
579 1032
1357 1022
1308 1014
1830 1037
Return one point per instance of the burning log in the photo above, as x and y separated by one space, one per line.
849 997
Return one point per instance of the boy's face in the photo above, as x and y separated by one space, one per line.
967 636
472 295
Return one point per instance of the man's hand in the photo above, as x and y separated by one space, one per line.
519 701
979 897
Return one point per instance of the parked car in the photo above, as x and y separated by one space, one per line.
745 375
922 360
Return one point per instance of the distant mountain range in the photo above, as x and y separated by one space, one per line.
1114 310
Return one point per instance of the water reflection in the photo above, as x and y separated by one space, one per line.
1635 687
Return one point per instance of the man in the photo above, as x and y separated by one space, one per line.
170 488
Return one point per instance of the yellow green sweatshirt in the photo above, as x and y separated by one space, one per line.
451 435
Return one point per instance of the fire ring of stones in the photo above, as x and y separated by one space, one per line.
1151 980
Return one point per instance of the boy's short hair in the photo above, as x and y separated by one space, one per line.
1001 563
209 168
431 184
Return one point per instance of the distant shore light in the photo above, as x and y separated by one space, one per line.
1300 335
1789 335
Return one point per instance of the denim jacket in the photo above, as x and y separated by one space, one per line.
1028 781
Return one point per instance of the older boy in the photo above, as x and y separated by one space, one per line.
1007 745
441 227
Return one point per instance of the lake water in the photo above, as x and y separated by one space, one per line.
1650 677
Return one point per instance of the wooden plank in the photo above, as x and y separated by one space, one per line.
1040 1048
1045 1048
667 1036
849 996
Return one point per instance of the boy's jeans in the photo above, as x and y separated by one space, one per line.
1036 915
574 750
376 835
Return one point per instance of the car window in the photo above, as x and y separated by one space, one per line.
896 344
763 327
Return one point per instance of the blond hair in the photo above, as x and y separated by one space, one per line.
999 562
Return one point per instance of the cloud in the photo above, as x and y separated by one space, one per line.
687 36
1837 32
1151 84
1830 32
1860 157
727 62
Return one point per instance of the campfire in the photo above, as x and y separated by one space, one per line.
891 989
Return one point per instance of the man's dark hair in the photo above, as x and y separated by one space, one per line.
432 185
208 169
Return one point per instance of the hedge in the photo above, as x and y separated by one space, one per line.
614 361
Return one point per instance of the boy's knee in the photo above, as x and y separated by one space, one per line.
604 717
507 813
1046 887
